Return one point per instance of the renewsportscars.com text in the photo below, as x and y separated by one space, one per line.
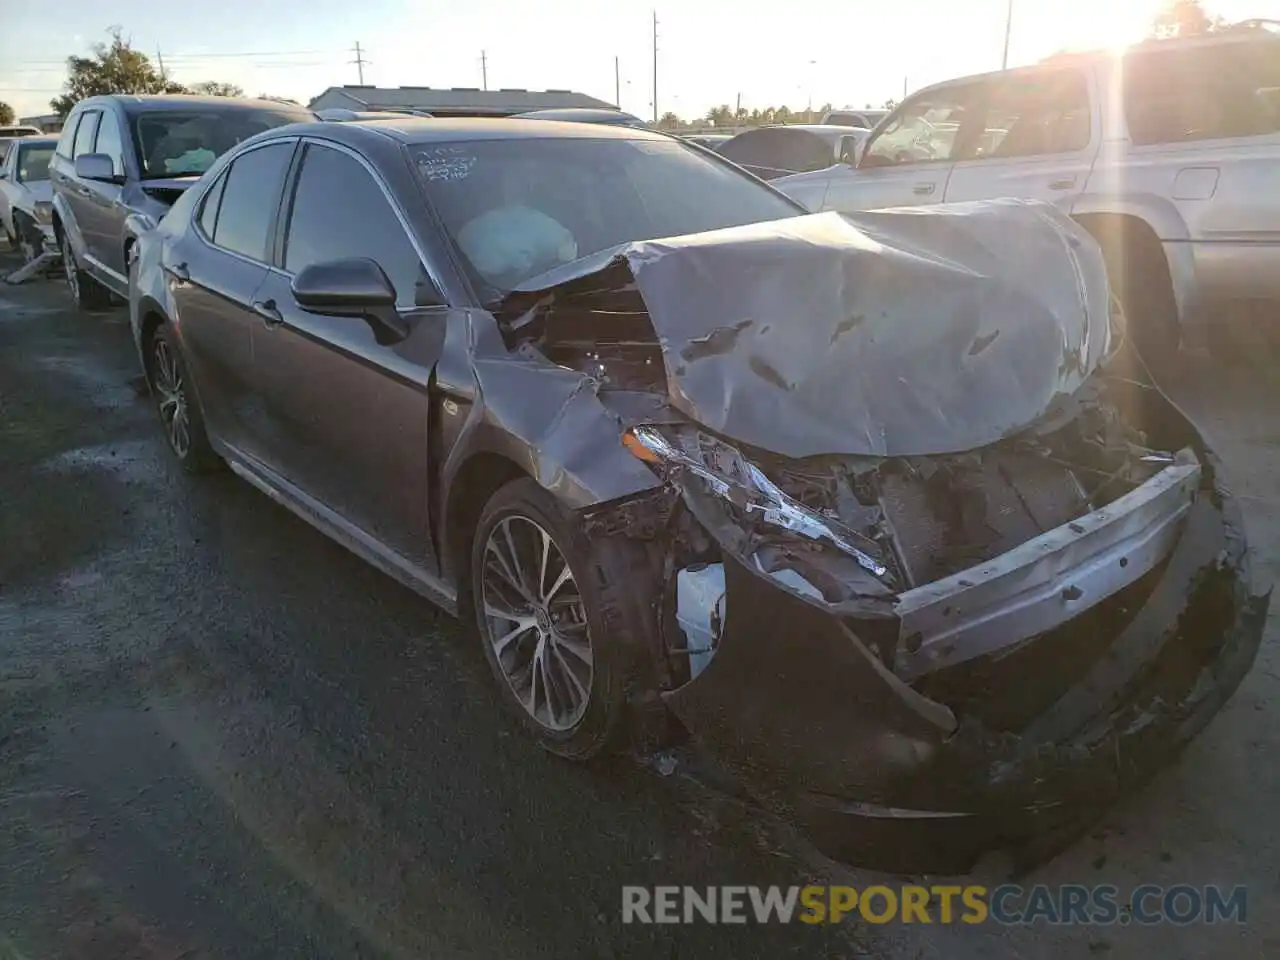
1008 904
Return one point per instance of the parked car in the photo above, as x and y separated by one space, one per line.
866 119
26 197
862 502
9 134
121 155
712 141
584 115
778 151
1167 153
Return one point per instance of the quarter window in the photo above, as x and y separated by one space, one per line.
1036 114
209 207
1203 93
340 212
250 198
67 140
85 134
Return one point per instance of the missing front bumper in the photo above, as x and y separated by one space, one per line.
796 701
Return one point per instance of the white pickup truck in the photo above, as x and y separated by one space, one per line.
1168 152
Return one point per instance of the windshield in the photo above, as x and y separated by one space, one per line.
515 208
185 143
33 162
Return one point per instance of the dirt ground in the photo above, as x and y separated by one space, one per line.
221 735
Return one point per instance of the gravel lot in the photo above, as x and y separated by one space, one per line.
221 735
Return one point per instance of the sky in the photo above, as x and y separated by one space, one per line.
709 52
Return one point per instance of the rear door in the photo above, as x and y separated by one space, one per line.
1041 131
215 271
347 416
908 160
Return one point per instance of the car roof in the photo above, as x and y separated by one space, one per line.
49 140
414 130
584 114
147 103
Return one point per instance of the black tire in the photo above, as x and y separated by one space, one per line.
87 292
609 612
176 403
1139 276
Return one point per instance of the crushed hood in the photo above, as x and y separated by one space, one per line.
893 333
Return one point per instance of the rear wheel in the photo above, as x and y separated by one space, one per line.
180 415
86 291
554 619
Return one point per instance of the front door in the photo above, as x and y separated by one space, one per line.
909 160
104 212
347 414
1040 134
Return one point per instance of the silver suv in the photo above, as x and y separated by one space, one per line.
1169 153
121 155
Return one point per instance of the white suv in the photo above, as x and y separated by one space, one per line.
1169 153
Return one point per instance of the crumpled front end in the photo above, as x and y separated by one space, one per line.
1010 699
927 565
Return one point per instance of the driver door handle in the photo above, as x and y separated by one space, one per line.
268 311
923 189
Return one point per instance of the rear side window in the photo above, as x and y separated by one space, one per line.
249 200
340 212
1036 114
777 152
1203 93
86 134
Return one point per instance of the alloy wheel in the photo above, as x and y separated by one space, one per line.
536 623
171 397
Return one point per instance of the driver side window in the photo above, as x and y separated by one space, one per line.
924 130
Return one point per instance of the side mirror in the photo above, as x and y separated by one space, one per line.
96 166
357 287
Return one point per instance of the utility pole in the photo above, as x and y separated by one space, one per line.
359 61
655 66
484 70
1008 29
617 84
160 61
737 107
904 88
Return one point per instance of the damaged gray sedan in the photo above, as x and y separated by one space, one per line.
873 507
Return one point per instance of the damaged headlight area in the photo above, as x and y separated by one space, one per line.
759 513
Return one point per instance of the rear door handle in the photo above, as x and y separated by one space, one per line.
1063 183
268 311
923 189
178 271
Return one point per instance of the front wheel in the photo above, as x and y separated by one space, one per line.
553 619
